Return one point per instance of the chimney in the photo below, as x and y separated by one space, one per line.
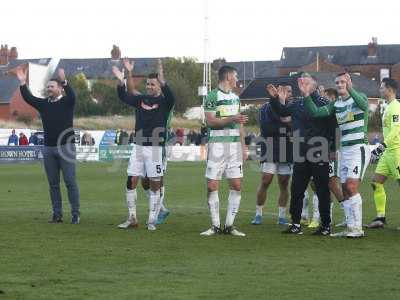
4 55
13 53
373 47
115 53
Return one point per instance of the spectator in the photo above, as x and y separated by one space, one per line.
191 137
23 140
131 137
123 138
87 140
117 136
247 139
171 137
197 140
180 136
33 139
204 134
13 139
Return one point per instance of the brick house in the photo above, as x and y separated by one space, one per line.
373 61
255 93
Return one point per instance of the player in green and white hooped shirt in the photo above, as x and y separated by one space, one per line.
226 149
351 110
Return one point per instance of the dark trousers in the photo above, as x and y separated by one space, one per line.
56 159
302 173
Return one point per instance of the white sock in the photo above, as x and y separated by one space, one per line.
342 208
233 207
282 212
356 208
162 194
315 204
131 196
213 205
348 213
259 210
331 212
154 203
304 211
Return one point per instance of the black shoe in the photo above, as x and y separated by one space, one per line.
293 229
75 219
378 222
55 219
322 230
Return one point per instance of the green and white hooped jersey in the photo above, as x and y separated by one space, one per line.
352 121
223 105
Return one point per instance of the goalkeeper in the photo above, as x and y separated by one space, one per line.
389 151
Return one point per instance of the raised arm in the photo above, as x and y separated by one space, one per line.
25 92
168 95
130 83
283 110
307 88
318 112
69 92
131 100
359 98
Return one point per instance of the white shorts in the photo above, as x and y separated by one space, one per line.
146 161
277 168
354 161
224 159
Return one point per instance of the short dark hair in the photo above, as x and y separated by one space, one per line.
225 70
56 80
152 76
390 83
331 91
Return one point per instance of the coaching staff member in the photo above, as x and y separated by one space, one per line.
317 166
59 153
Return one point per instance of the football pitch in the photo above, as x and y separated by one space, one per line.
95 260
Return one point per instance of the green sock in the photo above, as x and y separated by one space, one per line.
380 199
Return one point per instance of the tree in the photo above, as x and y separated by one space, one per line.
109 102
184 75
85 105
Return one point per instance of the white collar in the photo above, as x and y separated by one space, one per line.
55 99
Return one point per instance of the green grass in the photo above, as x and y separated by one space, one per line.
95 260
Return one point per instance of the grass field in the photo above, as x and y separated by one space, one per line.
95 260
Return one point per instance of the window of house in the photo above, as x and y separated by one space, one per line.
384 73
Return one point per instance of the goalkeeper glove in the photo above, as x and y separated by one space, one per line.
377 152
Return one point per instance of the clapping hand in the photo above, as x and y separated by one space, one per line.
271 89
129 66
160 71
349 83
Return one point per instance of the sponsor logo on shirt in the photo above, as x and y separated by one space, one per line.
148 106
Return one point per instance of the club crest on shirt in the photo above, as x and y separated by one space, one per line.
395 118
